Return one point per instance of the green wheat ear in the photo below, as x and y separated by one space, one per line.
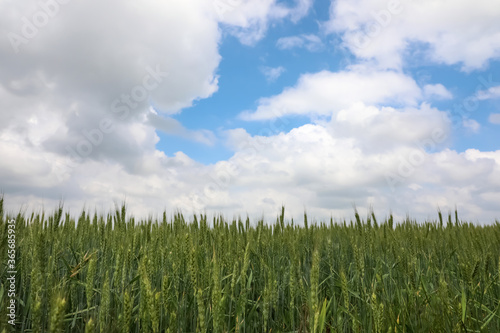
104 308
127 312
201 311
90 326
314 289
89 283
345 290
57 312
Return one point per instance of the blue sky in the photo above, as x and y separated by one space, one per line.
239 106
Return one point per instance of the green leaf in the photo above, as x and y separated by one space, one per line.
464 304
322 316
490 317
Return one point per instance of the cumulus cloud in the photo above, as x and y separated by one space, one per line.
325 170
386 127
109 57
310 42
468 34
75 94
313 167
93 84
326 92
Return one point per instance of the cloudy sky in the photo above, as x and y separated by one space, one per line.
240 106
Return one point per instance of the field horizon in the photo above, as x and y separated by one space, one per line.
269 218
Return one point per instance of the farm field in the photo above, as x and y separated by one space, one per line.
111 273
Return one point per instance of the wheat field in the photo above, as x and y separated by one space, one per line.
114 274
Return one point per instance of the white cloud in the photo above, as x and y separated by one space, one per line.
325 171
437 91
171 126
471 125
310 42
58 89
491 93
272 73
456 32
326 92
248 20
386 127
300 10
72 76
109 57
494 118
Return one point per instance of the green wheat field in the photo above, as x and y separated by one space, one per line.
113 274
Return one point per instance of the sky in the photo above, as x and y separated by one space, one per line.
238 107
